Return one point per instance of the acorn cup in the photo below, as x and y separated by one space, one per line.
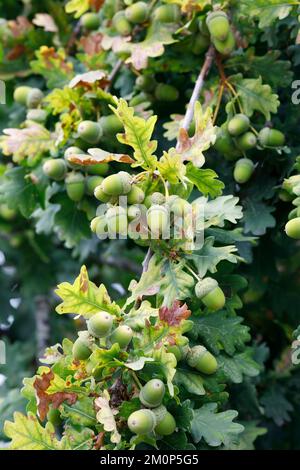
210 293
243 170
152 394
75 186
292 228
141 422
55 168
218 25
34 98
202 360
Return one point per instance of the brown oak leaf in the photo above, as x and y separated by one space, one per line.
175 314
91 45
41 384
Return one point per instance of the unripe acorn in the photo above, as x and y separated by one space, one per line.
34 98
180 207
21 94
100 324
101 195
239 124
167 14
157 219
137 13
164 92
247 141
202 360
271 137
80 350
225 47
210 293
117 221
145 83
75 186
292 228
92 182
152 394
99 226
136 195
37 115
201 44
121 24
285 196
72 151
90 131
55 168
218 25
294 213
90 21
179 352
122 335
141 422
166 426
243 170
224 143
118 184
133 213
110 125
100 169
157 198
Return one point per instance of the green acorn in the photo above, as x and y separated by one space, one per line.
75 186
137 13
157 220
218 25
226 47
122 335
90 132
90 21
100 324
141 422
180 207
292 228
117 185
145 83
152 394
164 92
55 168
101 195
133 213
271 137
92 182
136 195
111 125
99 226
179 352
247 141
210 293
167 14
166 426
37 115
34 98
80 350
201 44
21 94
243 170
202 360
285 196
121 24
224 143
239 124
117 221
100 169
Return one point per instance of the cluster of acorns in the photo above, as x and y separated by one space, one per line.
155 416
287 194
235 137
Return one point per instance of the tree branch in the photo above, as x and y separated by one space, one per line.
114 73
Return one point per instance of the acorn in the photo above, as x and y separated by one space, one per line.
210 293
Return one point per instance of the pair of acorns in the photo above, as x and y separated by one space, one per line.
28 96
137 13
150 90
220 31
100 325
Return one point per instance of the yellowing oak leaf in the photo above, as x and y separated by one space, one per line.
192 148
84 297
171 167
106 416
31 142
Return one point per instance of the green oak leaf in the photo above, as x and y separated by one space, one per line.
241 364
206 180
257 217
192 381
